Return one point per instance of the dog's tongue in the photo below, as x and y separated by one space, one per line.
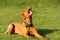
30 13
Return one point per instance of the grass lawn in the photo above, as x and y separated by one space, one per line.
46 17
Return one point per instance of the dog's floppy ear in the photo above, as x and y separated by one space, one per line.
22 16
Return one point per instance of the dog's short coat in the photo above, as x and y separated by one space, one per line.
26 27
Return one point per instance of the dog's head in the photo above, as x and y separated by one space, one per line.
27 13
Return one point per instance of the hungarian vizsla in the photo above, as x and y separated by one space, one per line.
26 28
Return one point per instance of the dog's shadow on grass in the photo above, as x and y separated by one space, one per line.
44 32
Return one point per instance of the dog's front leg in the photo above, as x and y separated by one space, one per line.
34 31
27 36
39 36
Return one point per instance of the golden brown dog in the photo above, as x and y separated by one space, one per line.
26 28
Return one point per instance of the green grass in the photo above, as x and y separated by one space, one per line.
46 17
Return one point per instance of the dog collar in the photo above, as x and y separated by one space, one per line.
28 25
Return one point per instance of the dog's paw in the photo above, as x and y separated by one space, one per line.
46 39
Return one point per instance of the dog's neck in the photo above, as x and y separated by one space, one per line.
28 23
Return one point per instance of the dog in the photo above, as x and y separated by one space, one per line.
26 28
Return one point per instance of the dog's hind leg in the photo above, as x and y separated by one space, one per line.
9 29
